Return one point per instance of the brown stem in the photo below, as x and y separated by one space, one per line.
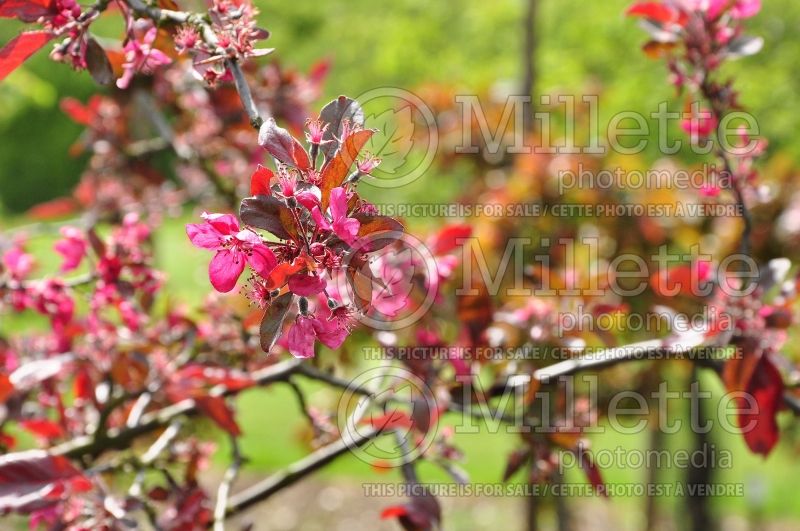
182 17
223 493
297 471
121 438
244 93
645 350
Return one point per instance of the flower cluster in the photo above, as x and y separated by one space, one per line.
140 54
320 231
121 277
696 37
234 30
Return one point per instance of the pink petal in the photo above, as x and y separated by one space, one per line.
203 235
346 229
248 236
319 219
224 223
746 8
125 80
308 198
306 285
338 203
224 269
73 251
262 260
330 333
18 262
300 338
390 304
157 58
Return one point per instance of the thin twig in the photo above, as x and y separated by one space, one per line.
121 438
297 471
182 17
161 444
315 374
223 493
301 401
646 350
244 93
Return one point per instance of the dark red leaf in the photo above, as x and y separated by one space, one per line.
35 479
55 208
272 323
449 238
422 513
389 421
424 413
216 408
26 10
189 512
20 48
395 511
158 493
130 370
280 275
474 310
83 386
7 442
379 231
658 50
361 283
760 428
684 279
80 113
655 11
6 387
282 145
319 71
196 380
259 181
592 471
97 243
43 428
371 224
738 370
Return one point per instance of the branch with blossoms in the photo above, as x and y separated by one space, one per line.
115 369
696 39
322 235
181 55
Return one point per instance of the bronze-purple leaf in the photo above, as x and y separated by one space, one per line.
98 64
378 230
272 323
34 480
334 114
265 212
282 145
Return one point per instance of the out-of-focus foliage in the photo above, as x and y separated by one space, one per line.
408 47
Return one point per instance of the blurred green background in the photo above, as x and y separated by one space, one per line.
584 47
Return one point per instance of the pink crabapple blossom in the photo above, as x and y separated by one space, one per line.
234 247
141 56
